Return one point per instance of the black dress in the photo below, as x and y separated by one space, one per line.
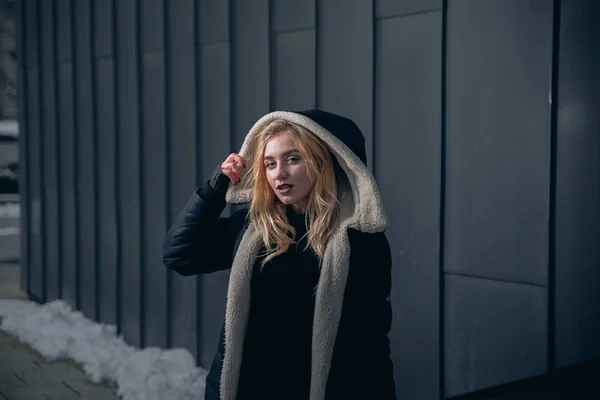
276 360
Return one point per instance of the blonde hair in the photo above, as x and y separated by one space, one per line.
268 214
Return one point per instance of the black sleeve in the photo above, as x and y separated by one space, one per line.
199 240
361 363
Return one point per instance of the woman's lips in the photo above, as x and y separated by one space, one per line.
284 189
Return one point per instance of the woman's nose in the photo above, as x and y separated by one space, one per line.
281 172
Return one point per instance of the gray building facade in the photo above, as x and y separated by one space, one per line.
482 127
8 65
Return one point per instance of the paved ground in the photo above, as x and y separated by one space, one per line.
26 375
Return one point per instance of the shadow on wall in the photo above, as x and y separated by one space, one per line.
573 383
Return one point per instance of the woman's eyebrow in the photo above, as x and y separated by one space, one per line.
287 153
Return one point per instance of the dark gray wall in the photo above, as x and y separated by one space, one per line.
577 175
496 241
68 153
407 144
480 123
129 179
214 52
85 166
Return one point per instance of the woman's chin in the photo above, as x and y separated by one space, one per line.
286 200
296 201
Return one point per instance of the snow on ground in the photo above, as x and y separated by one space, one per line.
10 210
57 332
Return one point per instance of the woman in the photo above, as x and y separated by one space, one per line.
307 313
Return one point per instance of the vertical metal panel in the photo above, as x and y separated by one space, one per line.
498 139
577 254
129 171
50 230
407 164
86 176
294 70
68 205
391 8
103 17
24 160
154 204
495 333
293 14
293 54
214 147
108 235
66 141
181 97
36 273
250 66
151 30
30 11
345 63
213 18
215 105
216 123
154 177
64 51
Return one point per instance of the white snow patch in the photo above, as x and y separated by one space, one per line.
10 210
58 332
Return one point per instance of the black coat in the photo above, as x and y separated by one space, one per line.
352 317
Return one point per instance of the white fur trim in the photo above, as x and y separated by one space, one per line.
363 211
237 311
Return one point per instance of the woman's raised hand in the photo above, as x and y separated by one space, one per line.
232 167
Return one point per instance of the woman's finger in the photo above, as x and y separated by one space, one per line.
232 167
227 169
231 174
235 159
236 173
238 159
236 169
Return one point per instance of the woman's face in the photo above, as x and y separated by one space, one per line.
287 171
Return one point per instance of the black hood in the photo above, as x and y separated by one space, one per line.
343 128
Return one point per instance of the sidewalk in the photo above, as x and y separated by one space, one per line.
26 375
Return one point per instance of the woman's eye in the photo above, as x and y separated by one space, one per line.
269 164
293 159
